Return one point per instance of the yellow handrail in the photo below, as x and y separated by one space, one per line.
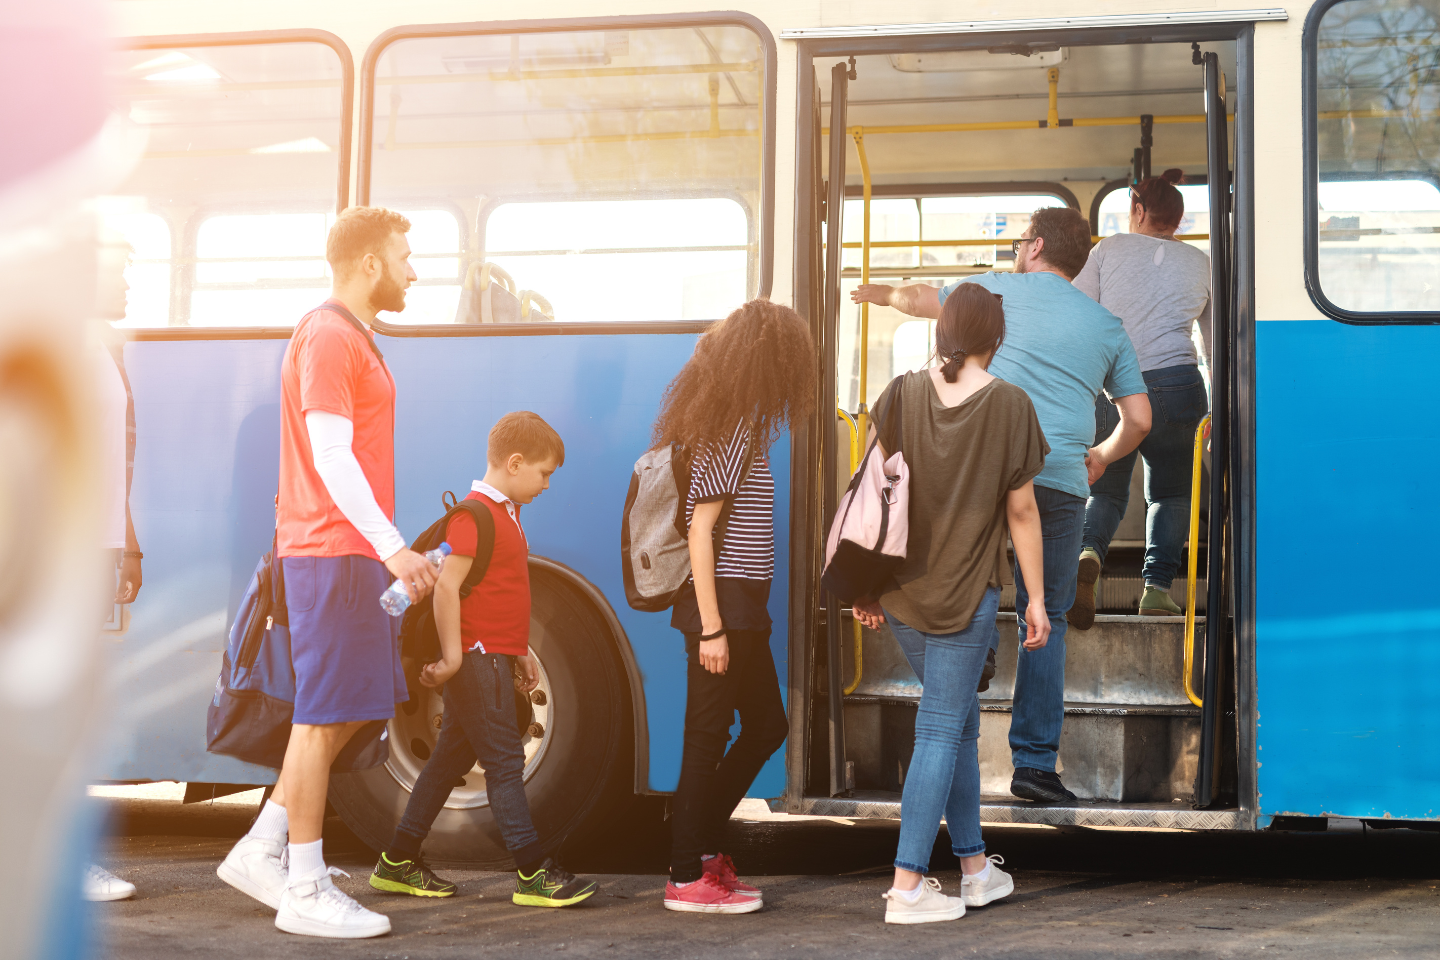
1028 124
854 462
992 241
1201 432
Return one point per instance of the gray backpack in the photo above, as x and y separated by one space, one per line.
654 538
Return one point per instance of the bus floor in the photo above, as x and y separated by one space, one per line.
1080 893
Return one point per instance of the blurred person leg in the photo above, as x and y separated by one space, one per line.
1109 498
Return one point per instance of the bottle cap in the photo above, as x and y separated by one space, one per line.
445 549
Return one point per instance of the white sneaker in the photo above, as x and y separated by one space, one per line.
257 869
977 893
930 907
100 884
315 907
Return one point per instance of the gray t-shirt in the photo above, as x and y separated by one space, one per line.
1158 289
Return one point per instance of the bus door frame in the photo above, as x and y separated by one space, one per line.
804 778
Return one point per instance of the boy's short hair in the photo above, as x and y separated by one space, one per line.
358 231
527 434
1067 238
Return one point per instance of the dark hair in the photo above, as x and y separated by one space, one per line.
972 323
1067 238
757 367
1160 199
358 231
527 434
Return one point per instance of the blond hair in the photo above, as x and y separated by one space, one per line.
358 231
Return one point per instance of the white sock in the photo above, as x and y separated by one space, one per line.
306 859
680 886
272 824
909 896
982 876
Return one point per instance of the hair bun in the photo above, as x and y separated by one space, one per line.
1173 175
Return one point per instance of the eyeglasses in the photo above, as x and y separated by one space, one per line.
1015 244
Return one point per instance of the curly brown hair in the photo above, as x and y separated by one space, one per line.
757 366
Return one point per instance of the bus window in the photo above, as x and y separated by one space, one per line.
1377 215
436 253
587 161
914 343
241 169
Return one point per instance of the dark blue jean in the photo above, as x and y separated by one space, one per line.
1177 405
1039 706
944 774
479 724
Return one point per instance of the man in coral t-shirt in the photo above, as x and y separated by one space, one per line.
339 550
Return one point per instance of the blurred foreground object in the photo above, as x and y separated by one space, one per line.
61 146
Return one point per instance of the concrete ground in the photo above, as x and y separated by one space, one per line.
1080 893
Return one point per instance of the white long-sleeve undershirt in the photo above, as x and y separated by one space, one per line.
331 436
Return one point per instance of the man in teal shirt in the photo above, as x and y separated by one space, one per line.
1062 348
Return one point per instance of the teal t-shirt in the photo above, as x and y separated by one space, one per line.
1062 348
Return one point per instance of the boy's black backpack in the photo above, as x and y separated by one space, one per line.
419 640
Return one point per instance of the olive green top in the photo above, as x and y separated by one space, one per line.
963 461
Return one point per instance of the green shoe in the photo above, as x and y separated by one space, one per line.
409 876
551 886
1081 614
1157 603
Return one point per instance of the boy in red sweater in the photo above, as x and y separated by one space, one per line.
484 645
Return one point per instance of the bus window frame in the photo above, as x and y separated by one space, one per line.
1309 114
765 227
187 235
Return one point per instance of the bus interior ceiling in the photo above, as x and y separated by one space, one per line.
1132 731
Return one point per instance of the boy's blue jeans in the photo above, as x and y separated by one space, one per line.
1039 710
944 774
1177 405
479 724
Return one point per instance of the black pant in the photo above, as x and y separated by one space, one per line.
712 780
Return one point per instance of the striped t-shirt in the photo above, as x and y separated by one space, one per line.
748 551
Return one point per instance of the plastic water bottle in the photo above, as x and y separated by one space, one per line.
396 600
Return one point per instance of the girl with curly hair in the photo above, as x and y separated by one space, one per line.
752 374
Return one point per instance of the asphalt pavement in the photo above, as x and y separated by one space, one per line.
1080 893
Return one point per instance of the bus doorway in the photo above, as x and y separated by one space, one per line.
927 163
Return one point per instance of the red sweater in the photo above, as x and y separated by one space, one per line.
495 618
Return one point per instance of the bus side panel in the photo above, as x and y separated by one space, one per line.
207 460
1348 621
602 394
207 457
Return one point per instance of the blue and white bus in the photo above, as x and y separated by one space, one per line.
589 191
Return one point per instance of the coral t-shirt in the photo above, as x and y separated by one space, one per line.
495 617
330 367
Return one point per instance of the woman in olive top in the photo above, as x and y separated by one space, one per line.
973 446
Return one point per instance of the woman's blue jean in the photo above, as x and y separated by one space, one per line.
1177 405
944 774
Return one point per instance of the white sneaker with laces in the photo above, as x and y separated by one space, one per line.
257 868
977 892
931 906
315 907
100 885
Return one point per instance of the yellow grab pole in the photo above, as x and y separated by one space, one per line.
854 462
1201 432
1052 119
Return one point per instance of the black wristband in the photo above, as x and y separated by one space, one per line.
713 636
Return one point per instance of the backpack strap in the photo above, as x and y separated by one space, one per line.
484 542
354 322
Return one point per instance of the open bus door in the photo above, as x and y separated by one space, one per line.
1215 775
840 76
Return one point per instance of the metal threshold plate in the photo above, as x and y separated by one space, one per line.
886 806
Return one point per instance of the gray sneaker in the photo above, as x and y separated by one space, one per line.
931 906
977 893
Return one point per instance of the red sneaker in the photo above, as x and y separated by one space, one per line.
723 869
708 895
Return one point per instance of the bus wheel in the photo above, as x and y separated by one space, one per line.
575 728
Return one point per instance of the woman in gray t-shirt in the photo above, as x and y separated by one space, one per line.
1159 287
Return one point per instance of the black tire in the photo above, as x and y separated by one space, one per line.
581 777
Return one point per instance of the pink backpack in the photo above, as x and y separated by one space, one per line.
872 522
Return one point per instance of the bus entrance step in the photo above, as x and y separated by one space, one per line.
869 804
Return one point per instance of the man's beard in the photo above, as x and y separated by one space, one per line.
1019 266
388 294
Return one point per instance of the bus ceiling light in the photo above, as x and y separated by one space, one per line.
1017 57
307 145
175 66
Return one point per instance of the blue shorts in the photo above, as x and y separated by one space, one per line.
345 647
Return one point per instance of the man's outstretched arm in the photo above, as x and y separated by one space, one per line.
915 299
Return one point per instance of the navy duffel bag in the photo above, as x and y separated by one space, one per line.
249 716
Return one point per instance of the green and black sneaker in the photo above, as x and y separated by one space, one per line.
409 876
551 886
